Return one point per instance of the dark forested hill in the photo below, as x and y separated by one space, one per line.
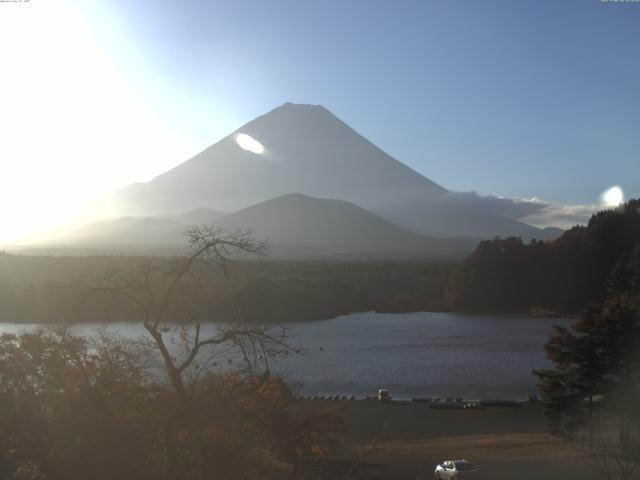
298 226
48 289
510 275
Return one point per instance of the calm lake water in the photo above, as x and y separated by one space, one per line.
411 354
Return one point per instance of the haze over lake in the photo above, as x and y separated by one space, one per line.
411 354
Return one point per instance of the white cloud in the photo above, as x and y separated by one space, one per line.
562 216
533 211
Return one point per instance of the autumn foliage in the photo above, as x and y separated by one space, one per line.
77 408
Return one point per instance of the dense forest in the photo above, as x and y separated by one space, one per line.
509 275
501 275
50 289
591 396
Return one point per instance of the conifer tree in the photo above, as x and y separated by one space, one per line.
597 361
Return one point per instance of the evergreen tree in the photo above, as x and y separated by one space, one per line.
597 360
569 392
561 276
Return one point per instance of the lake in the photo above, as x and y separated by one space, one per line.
411 354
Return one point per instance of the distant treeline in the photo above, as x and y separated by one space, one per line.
501 275
508 275
48 289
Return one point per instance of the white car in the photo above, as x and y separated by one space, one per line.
450 469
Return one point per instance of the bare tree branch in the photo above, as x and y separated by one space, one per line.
153 294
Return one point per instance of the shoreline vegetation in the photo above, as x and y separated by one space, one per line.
64 289
547 278
82 386
69 400
542 279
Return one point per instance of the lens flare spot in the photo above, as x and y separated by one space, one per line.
613 196
247 142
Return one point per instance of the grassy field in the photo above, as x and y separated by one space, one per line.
405 440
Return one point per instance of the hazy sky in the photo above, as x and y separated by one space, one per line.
514 98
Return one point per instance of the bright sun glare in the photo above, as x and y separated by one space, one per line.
247 142
72 127
613 196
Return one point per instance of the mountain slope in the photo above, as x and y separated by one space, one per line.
306 149
440 218
131 231
297 224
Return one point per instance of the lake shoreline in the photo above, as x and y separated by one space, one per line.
405 440
437 310
422 354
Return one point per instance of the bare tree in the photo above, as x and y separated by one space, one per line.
163 299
